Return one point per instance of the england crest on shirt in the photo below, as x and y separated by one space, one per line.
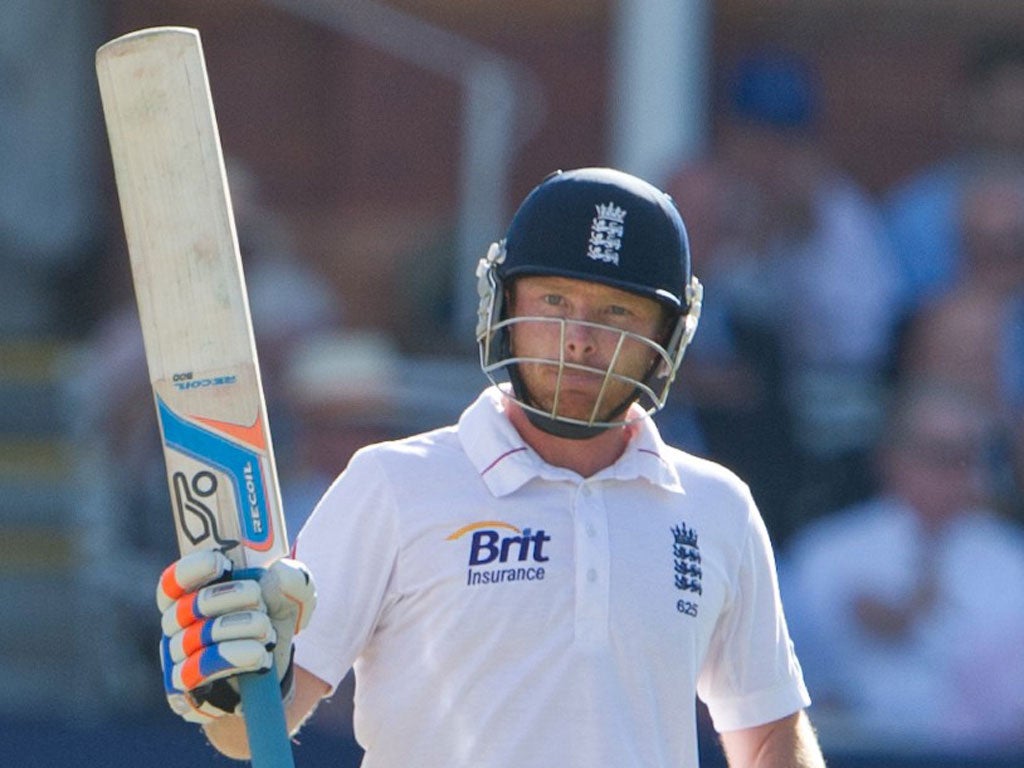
686 554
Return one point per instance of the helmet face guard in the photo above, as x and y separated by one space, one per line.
501 364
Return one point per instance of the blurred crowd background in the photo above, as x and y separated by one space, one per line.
852 176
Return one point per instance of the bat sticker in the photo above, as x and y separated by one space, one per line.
241 464
195 518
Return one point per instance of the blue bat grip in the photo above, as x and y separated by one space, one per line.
263 709
269 744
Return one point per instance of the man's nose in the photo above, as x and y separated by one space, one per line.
580 339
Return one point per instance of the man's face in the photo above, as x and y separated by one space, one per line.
585 325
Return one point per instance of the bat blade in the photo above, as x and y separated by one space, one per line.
196 326
191 295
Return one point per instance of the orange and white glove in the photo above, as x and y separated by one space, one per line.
218 623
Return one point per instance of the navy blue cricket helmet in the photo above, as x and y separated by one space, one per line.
600 225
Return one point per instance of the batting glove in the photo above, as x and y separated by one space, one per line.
215 628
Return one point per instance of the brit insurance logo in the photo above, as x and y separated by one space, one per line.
500 553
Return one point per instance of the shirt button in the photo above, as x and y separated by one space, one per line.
592 575
591 530
586 490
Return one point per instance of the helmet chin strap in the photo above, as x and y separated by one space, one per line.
565 429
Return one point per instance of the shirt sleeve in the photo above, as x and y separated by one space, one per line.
350 545
751 675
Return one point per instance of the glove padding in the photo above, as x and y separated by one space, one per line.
215 628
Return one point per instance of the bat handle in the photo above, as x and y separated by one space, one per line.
269 745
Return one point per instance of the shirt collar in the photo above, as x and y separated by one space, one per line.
506 463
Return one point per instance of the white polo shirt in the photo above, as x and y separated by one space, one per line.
501 612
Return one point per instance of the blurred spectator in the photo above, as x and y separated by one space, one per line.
341 389
907 608
823 232
733 381
800 268
922 210
961 334
973 334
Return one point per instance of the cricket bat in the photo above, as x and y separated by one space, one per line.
192 302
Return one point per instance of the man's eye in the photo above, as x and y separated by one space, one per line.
552 300
618 311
